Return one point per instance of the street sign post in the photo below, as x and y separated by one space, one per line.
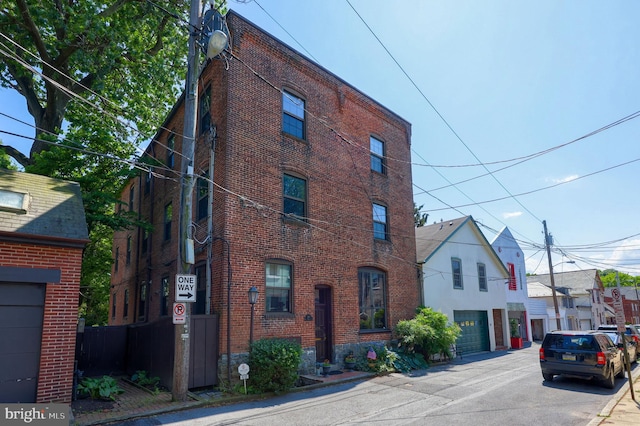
186 288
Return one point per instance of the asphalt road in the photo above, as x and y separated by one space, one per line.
482 389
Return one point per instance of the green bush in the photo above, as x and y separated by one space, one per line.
104 387
274 365
141 378
428 333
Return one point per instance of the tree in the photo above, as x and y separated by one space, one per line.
108 72
420 219
608 277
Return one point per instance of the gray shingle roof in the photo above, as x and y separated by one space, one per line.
430 237
54 207
576 281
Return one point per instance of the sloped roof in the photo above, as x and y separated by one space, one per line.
575 281
536 289
429 238
53 207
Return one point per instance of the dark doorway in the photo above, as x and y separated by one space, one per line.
323 323
21 316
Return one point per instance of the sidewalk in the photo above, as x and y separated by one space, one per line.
135 402
622 409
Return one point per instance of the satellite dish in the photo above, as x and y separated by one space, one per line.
217 43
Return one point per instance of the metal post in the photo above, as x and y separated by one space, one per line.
553 284
253 309
181 332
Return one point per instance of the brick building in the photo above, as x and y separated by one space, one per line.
311 192
42 235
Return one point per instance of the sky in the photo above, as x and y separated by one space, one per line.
486 86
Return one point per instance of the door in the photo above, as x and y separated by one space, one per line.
475 331
21 316
323 322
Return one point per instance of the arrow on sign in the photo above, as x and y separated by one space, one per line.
188 295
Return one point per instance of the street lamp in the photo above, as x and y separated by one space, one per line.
253 298
571 262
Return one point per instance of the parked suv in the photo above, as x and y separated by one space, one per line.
584 354
631 330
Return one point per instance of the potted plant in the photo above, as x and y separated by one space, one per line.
516 340
350 361
326 367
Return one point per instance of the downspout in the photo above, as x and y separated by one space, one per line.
210 218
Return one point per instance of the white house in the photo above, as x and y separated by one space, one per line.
542 309
464 278
581 294
508 250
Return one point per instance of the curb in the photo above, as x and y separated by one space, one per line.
606 411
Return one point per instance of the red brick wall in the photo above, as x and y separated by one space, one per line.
57 353
251 155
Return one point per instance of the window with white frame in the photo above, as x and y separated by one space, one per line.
456 271
380 222
294 192
278 287
293 115
377 155
482 277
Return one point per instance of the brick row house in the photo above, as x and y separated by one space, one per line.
303 191
43 233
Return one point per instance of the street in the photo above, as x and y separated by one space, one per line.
482 389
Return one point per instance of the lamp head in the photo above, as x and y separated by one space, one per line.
217 43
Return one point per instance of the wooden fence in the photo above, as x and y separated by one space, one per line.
118 350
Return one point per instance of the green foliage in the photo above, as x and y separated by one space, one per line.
428 333
420 219
384 362
513 327
274 365
141 378
608 277
105 387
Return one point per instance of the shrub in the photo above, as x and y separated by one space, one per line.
428 333
104 387
141 378
274 365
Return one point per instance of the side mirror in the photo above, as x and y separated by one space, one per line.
620 345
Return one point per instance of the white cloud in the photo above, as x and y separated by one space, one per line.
510 215
565 179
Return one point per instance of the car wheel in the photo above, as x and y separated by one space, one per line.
610 381
547 377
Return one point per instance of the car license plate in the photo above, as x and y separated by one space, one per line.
566 357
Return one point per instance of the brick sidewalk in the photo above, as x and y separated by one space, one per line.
133 402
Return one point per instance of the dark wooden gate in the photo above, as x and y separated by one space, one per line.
150 347
323 323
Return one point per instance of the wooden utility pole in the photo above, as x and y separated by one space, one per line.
553 283
185 253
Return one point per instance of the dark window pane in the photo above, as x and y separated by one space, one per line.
293 126
372 299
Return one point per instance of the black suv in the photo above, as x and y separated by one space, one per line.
585 354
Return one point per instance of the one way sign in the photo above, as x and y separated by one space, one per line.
186 288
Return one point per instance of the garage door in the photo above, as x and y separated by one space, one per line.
475 331
21 314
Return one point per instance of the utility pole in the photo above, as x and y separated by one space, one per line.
553 283
185 244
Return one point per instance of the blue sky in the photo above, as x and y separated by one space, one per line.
497 80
